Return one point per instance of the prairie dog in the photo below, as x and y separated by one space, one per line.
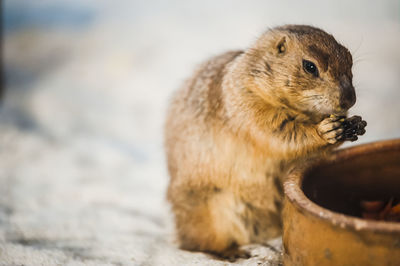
241 122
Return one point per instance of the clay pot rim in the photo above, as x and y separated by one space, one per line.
294 193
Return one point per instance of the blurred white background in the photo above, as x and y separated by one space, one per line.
82 176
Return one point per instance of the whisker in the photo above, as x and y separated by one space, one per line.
354 52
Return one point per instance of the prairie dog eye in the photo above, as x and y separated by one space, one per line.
310 68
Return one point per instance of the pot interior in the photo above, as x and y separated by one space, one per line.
341 185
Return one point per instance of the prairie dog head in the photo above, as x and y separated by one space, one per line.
302 68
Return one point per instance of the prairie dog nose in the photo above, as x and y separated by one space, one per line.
347 93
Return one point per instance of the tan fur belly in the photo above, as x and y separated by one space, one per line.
231 183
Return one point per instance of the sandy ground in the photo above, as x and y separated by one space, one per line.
82 176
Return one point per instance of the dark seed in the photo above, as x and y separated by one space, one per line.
361 132
348 131
354 138
371 205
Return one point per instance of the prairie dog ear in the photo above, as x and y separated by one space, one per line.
273 42
281 45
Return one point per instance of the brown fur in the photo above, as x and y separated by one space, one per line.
237 126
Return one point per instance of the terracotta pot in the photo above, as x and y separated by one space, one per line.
322 202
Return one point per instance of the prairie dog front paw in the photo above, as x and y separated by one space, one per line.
334 129
331 129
